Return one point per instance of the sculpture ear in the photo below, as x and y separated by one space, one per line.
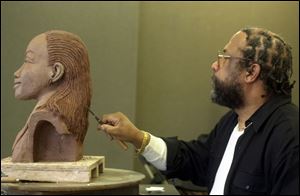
58 71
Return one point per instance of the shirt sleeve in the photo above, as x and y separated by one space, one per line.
156 153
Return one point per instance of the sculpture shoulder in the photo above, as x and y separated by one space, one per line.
44 115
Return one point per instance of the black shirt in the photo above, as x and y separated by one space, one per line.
266 157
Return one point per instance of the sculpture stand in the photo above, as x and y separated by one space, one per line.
80 171
110 182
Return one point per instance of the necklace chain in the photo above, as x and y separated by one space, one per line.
243 128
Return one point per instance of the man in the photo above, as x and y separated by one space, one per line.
56 72
254 148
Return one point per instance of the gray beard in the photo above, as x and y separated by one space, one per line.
228 94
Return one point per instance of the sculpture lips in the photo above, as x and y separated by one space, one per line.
16 84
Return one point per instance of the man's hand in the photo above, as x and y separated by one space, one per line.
121 128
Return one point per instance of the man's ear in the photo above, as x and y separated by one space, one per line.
252 73
58 71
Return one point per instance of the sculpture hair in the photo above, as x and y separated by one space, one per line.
73 96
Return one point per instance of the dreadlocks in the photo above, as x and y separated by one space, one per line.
274 56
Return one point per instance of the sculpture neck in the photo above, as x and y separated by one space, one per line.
41 100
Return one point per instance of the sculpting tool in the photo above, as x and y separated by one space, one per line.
123 144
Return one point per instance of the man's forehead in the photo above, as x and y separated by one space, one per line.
236 43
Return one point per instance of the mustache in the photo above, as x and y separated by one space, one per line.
215 81
213 77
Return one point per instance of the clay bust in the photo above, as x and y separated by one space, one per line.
56 73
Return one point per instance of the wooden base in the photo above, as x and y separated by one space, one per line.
80 171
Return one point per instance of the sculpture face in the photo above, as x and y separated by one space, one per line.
32 78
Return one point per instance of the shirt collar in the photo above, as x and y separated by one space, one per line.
258 118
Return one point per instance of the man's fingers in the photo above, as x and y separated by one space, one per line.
112 119
110 129
105 127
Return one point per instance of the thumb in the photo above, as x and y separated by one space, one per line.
110 129
105 127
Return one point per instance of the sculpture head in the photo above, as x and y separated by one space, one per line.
56 72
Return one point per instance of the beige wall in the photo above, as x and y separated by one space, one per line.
178 43
150 60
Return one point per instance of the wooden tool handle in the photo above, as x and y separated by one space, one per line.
123 144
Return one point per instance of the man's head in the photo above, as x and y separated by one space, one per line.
252 57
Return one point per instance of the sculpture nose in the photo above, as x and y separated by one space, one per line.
17 73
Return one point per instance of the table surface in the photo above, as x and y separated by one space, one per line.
110 179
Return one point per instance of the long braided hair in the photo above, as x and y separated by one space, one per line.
73 97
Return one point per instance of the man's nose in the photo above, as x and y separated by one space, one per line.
215 66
